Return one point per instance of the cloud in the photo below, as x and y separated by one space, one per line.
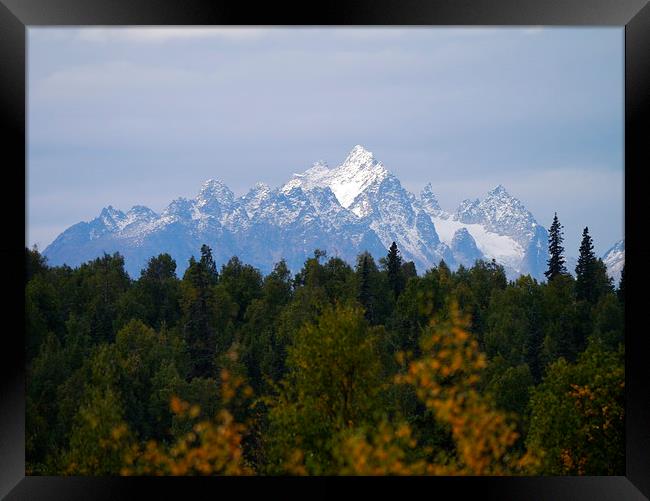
108 78
464 107
533 30
157 35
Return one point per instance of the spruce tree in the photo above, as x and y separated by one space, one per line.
394 269
604 284
555 250
621 286
364 284
198 319
208 264
586 270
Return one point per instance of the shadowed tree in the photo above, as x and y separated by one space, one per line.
621 287
586 270
555 250
394 270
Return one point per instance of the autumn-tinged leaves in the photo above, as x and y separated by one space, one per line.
351 376
212 447
445 379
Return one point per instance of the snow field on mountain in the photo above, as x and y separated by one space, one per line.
492 245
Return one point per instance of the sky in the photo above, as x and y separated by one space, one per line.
142 115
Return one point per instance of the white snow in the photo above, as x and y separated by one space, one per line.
495 246
614 259
357 195
358 171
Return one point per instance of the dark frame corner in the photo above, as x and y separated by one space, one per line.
17 15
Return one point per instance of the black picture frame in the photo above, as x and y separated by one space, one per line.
17 15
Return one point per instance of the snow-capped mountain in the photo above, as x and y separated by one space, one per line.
365 188
614 259
500 227
354 207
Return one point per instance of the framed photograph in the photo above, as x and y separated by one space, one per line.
379 239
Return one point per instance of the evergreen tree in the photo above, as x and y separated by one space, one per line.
100 284
394 269
106 354
621 286
586 270
409 271
34 263
365 294
208 264
372 290
159 290
603 282
556 260
198 305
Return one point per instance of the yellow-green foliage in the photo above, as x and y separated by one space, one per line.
332 385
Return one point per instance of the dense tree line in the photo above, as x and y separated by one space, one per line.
370 369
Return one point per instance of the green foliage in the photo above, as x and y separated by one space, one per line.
373 291
576 419
121 372
262 350
396 279
561 319
586 269
608 321
620 292
99 438
331 386
480 283
510 385
35 263
556 260
200 306
422 298
154 297
515 329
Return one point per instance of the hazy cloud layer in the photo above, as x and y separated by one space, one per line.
144 115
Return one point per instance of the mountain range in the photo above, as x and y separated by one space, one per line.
356 206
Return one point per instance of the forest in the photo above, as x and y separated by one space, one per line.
371 369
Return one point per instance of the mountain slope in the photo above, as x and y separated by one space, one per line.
501 227
357 206
614 259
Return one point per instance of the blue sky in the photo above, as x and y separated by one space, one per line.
127 116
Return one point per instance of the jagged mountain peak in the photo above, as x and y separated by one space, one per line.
359 154
260 186
499 190
141 210
357 206
178 205
360 159
357 173
111 217
429 199
499 204
111 211
214 189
